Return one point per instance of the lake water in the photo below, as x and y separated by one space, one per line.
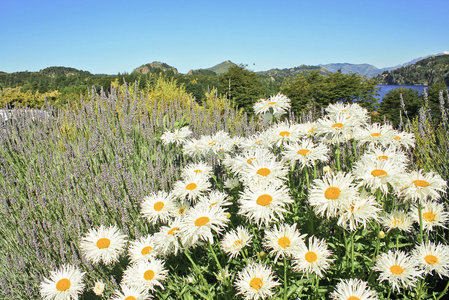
386 88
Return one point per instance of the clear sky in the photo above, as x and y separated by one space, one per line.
117 36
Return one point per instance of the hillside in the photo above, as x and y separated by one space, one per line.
155 65
363 69
219 69
430 70
280 74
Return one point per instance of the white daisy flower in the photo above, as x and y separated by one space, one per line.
142 249
178 136
354 112
276 105
256 141
433 215
130 293
264 171
336 129
283 133
193 148
168 238
215 198
422 186
374 134
145 275
98 288
231 183
432 257
328 195
308 129
283 240
256 281
397 156
201 221
359 211
103 244
397 219
234 241
65 283
158 207
403 139
194 169
306 153
191 187
240 163
314 258
264 204
399 269
353 289
379 174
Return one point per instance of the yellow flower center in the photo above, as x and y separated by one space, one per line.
198 171
284 133
250 160
264 200
148 275
428 216
284 242
130 298
376 134
382 157
337 125
191 186
271 103
201 221
63 285
103 243
211 143
258 142
181 211
396 270
237 243
311 256
173 230
431 259
378 172
421 183
353 298
303 152
397 222
146 250
212 204
397 138
310 131
256 283
332 193
263 172
158 206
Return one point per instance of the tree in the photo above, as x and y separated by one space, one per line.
313 91
391 104
242 87
434 100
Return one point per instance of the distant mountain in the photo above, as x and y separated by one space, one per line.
362 69
427 71
281 74
155 65
370 70
219 69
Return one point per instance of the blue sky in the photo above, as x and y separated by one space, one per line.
118 36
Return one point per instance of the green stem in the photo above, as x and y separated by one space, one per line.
218 264
285 279
338 157
197 269
420 222
418 294
352 252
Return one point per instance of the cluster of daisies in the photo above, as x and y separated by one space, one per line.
195 213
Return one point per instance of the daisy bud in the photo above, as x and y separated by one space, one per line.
98 288
381 234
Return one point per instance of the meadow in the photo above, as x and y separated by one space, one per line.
137 194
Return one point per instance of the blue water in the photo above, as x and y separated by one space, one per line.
386 88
